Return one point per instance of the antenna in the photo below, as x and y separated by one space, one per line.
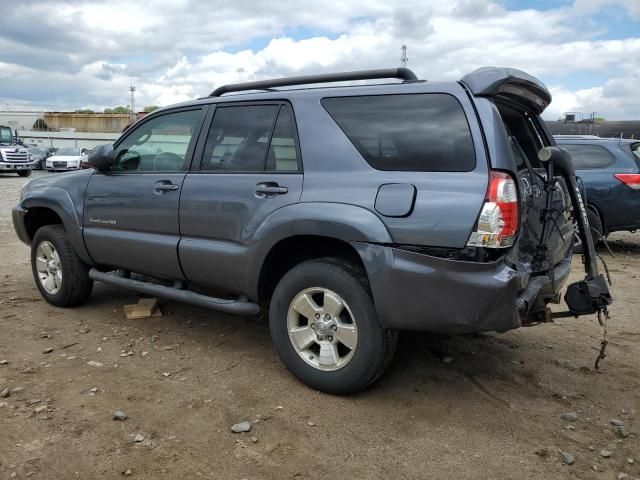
403 58
132 112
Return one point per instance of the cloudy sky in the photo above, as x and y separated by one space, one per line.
74 54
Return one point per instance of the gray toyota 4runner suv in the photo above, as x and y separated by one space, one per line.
348 212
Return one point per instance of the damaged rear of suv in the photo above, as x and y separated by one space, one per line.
348 212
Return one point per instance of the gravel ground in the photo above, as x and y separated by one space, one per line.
515 405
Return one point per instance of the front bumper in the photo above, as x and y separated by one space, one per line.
17 166
18 215
61 168
412 291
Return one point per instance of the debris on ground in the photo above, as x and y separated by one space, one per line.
620 431
241 427
604 453
447 360
94 363
84 329
145 308
5 393
569 416
138 438
567 458
47 350
128 472
616 423
120 415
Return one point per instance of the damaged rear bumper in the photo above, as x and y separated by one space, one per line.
413 291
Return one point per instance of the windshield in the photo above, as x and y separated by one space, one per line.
5 135
68 152
635 149
36 150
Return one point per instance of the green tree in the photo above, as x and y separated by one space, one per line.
84 110
150 108
121 110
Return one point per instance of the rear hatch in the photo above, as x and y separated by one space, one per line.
545 233
546 228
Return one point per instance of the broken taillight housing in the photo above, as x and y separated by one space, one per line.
498 221
630 179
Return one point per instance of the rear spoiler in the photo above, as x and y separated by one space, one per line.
509 83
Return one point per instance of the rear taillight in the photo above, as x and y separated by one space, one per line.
630 179
498 221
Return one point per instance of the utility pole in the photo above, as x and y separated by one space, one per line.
132 112
403 58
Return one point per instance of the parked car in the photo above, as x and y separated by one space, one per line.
348 213
38 156
66 158
610 171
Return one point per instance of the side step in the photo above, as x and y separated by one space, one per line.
236 307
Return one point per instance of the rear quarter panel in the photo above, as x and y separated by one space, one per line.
446 204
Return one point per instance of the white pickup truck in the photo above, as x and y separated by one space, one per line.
14 158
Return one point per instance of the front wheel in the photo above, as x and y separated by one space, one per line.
24 173
61 277
324 327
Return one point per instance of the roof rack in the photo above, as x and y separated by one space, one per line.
400 73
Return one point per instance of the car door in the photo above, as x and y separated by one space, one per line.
249 167
131 210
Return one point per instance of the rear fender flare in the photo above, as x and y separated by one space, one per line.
348 223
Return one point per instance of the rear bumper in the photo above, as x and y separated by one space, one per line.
418 292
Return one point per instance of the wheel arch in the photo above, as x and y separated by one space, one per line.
55 206
307 231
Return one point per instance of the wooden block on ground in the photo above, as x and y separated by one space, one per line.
145 308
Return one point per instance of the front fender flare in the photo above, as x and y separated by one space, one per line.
58 200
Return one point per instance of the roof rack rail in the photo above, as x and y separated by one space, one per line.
400 73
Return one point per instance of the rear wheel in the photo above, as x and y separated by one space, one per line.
61 277
595 230
24 173
325 329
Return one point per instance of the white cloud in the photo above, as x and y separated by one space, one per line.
177 50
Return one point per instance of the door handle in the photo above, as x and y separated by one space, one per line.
270 188
166 187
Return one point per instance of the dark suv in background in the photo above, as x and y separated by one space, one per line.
348 213
610 171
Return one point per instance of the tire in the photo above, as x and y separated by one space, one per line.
73 284
368 349
595 229
24 173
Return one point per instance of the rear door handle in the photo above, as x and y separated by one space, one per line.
270 188
166 187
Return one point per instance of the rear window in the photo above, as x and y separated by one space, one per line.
586 157
418 133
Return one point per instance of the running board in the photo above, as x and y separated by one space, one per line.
236 307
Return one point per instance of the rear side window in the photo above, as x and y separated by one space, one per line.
239 138
586 157
417 132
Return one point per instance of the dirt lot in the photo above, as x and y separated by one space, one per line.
494 411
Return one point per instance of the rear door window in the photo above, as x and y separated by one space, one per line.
586 157
416 132
239 137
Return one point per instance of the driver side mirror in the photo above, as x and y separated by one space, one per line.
102 158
